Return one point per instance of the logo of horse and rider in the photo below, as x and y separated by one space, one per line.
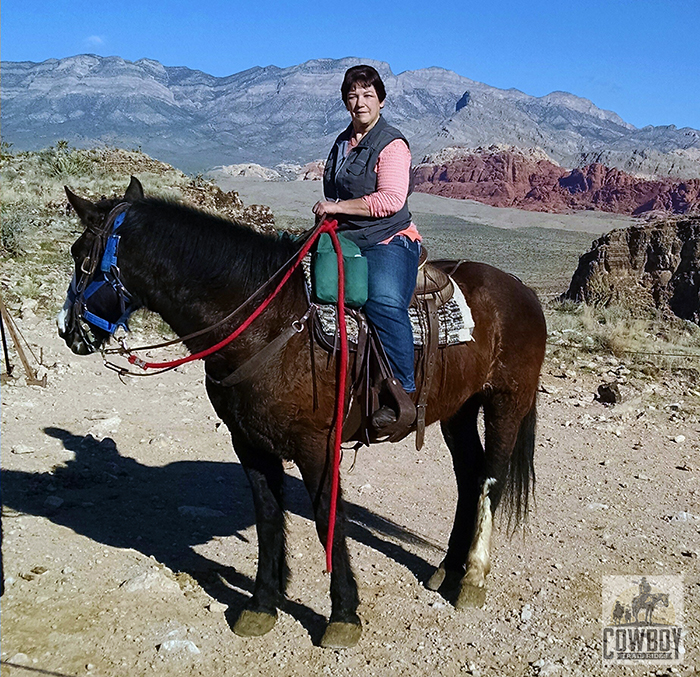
643 605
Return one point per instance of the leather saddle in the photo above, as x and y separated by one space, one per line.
374 385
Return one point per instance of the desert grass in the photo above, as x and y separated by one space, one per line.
648 343
37 229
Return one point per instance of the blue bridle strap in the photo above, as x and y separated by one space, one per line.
110 276
109 258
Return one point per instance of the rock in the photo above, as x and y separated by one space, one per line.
679 439
654 266
21 449
597 506
549 668
609 393
28 309
684 517
311 171
175 646
105 427
217 607
526 613
150 580
506 176
53 502
20 659
250 169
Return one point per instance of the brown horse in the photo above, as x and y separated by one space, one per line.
193 268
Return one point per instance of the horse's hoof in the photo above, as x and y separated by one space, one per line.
470 597
341 635
437 579
254 623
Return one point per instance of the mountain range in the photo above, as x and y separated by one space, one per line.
271 115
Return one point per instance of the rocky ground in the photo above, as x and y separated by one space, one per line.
129 544
130 547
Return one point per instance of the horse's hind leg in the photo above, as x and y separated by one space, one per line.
265 474
481 477
509 438
344 626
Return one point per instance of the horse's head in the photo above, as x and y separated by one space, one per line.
97 302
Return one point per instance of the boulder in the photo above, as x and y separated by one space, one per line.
656 265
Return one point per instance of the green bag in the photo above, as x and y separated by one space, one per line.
324 272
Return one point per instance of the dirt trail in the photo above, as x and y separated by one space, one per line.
130 547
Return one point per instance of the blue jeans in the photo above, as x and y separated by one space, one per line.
392 278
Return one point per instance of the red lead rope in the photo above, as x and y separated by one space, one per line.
340 401
326 227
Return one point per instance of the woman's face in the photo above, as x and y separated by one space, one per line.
364 106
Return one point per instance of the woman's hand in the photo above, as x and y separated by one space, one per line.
324 208
355 207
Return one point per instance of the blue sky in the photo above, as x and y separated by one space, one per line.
640 58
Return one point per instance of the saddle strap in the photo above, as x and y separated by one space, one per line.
429 355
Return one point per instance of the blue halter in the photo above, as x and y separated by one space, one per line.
105 294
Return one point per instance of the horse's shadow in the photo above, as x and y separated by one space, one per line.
157 510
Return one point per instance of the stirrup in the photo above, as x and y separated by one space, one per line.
406 412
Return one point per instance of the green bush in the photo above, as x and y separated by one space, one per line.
12 229
64 161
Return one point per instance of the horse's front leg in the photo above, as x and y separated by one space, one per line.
265 474
344 626
462 438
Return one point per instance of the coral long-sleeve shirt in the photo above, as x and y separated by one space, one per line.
393 170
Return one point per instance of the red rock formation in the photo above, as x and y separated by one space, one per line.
529 180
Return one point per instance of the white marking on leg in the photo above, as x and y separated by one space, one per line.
479 557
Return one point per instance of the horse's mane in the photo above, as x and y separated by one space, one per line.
205 247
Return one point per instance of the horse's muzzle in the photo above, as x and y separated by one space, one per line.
73 338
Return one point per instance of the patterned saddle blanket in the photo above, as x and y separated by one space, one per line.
454 318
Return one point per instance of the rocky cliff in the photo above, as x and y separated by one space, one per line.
511 177
651 266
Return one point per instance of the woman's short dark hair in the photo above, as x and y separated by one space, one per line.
366 76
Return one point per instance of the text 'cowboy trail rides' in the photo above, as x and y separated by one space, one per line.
642 620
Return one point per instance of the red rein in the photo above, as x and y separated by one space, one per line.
326 227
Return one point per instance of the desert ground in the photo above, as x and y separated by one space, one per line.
130 548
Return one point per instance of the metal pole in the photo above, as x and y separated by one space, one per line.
8 366
31 374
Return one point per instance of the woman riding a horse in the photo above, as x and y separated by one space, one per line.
366 188
194 269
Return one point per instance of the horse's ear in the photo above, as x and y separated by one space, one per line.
134 191
85 209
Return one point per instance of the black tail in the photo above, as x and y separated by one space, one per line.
520 482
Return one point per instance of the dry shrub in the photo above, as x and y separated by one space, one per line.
647 340
37 228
